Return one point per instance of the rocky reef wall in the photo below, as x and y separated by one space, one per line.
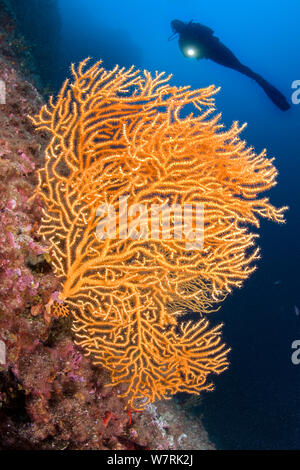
51 396
33 27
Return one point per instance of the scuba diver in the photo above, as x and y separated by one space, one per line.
198 41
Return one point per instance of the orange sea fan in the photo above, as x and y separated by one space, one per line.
122 134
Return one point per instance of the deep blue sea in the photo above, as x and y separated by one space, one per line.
256 404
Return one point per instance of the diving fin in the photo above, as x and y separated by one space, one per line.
275 95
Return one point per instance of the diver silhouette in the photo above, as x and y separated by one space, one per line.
198 41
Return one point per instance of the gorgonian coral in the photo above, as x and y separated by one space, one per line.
122 134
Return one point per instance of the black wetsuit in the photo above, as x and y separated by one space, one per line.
210 47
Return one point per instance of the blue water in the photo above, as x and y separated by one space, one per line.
256 404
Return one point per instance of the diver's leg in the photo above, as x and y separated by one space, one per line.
275 95
222 55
